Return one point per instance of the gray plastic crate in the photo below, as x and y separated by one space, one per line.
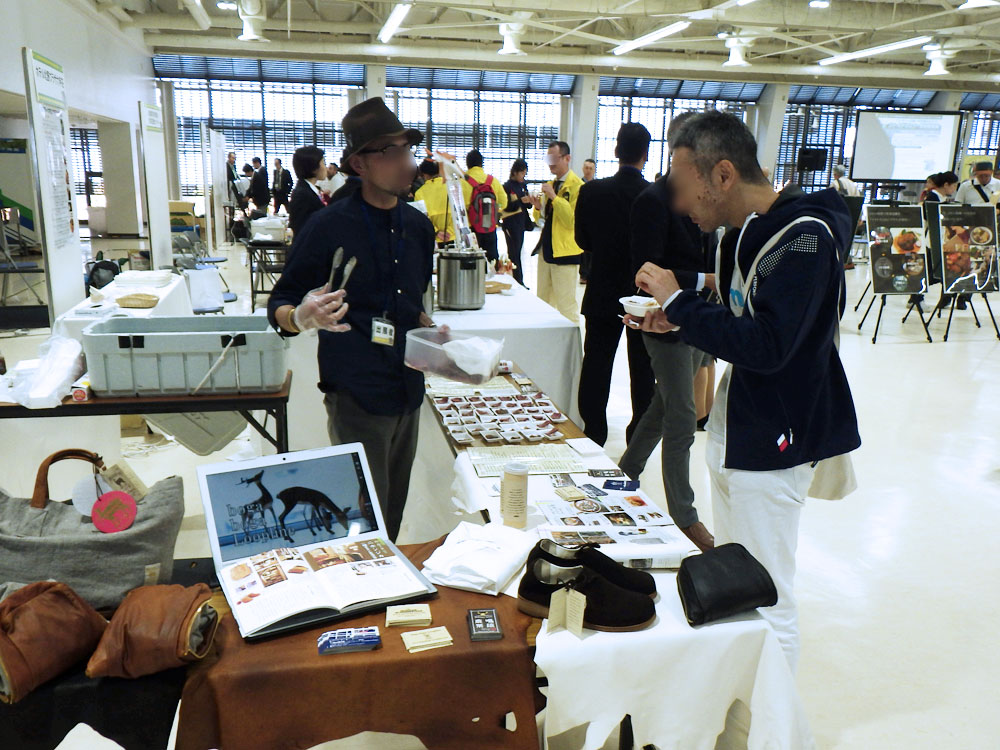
170 356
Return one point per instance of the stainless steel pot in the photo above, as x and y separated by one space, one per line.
461 280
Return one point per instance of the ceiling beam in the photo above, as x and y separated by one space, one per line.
705 67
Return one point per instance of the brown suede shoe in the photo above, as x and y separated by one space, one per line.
698 534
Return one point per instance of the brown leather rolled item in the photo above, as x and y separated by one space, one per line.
156 628
45 628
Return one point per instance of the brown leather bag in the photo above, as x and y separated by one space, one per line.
45 628
156 628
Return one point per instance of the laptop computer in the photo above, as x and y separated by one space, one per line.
299 539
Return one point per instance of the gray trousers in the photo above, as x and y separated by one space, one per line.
390 446
671 418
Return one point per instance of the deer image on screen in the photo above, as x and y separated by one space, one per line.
257 507
322 507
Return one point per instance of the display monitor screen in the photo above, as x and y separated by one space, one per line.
904 146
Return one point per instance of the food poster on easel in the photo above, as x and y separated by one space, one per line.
897 249
968 248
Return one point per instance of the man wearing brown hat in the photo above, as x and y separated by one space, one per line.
371 396
981 188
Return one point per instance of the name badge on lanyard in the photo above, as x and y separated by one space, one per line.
383 332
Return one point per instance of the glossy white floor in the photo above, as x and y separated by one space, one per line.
899 597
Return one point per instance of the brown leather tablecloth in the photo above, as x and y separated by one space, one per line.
280 694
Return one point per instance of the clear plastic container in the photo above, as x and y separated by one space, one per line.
165 356
474 359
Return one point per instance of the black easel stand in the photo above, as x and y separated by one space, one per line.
878 320
863 293
951 313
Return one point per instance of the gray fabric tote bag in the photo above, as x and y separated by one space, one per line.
41 540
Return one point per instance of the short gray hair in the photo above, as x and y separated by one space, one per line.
839 169
714 136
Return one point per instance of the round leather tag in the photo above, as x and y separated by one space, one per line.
114 511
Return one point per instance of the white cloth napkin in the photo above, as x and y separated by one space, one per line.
479 558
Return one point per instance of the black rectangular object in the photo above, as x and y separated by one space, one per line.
811 159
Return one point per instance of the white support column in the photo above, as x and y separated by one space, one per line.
356 96
374 81
951 101
583 125
945 101
770 119
120 158
166 89
566 120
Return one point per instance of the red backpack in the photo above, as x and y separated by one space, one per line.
482 206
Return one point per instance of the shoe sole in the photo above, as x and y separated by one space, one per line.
533 609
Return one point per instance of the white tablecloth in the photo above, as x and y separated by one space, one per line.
174 302
677 682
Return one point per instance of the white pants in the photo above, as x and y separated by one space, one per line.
557 286
760 510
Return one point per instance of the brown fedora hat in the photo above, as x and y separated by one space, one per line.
367 121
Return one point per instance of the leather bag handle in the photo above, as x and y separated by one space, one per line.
40 497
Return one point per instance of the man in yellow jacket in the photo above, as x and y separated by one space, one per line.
558 254
434 194
485 198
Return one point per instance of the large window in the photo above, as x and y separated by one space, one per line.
825 117
653 112
822 126
265 108
983 132
263 118
654 102
504 125
88 170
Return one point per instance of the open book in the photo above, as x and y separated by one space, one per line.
298 539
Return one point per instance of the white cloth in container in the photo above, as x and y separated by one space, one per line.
475 355
479 558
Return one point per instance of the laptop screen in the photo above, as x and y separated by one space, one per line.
289 500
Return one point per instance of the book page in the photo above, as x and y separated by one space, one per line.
270 587
361 571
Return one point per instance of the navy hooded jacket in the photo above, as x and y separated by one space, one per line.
787 378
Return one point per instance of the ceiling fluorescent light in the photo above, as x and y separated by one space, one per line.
974 4
394 21
741 3
226 6
819 3
651 37
903 44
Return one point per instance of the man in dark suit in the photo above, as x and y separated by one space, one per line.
602 231
658 234
258 192
281 185
232 176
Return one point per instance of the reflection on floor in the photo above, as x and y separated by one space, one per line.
898 596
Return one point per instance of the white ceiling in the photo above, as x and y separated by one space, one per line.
788 37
